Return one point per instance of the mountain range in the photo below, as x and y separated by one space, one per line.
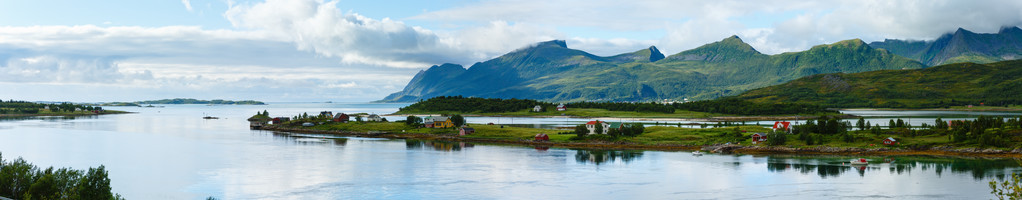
959 84
552 72
960 46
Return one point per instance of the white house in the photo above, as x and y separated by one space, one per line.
375 118
591 125
537 109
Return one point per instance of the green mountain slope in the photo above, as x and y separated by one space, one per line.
960 46
550 71
995 84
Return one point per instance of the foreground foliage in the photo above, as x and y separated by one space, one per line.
22 180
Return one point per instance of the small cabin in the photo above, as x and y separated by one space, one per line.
466 131
890 141
542 137
326 114
537 108
279 120
560 107
375 118
759 137
341 117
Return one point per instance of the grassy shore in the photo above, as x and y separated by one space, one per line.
73 113
678 115
665 138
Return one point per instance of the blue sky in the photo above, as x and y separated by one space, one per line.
362 50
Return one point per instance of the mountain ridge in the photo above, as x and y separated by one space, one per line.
960 46
550 71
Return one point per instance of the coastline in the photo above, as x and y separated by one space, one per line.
671 119
725 149
64 115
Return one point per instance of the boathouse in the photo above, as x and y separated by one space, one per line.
890 141
341 117
542 137
466 131
759 137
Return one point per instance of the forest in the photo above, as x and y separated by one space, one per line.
724 106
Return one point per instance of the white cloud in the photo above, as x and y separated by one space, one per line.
771 26
188 5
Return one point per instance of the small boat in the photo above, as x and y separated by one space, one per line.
210 117
307 124
697 153
860 161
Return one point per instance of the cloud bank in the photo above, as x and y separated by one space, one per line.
313 50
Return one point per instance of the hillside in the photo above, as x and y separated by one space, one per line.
550 71
960 46
993 84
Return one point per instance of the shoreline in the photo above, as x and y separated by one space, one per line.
670 119
63 115
724 149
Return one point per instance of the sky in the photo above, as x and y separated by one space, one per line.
363 50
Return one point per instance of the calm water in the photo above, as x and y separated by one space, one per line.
171 153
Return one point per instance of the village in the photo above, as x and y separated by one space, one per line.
594 131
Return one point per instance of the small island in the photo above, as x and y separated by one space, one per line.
822 134
13 108
186 101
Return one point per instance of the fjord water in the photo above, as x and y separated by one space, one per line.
172 153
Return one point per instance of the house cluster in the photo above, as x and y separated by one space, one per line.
591 125
560 107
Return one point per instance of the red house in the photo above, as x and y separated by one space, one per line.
782 125
560 107
341 117
890 141
466 131
759 137
542 137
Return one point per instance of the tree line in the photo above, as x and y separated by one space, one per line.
22 180
24 107
723 106
744 107
471 105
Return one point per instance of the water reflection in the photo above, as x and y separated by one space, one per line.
310 139
436 145
978 168
603 156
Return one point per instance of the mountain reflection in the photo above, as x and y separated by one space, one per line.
436 145
979 168
602 156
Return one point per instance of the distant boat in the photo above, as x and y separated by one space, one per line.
697 153
860 161
210 117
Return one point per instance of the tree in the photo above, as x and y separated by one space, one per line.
95 185
358 118
413 120
457 120
891 124
861 123
900 123
868 126
581 130
777 138
614 132
599 127
1011 188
